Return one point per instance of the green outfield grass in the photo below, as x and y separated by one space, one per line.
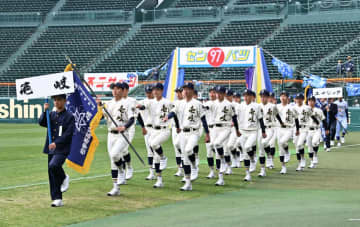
326 196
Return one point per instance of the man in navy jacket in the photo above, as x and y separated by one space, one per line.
62 128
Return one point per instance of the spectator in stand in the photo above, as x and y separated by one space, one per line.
339 69
349 67
356 103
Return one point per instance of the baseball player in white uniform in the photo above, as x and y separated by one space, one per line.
304 113
159 108
232 144
289 118
314 135
190 113
128 168
229 145
123 114
210 149
249 117
144 119
176 137
270 114
224 116
276 125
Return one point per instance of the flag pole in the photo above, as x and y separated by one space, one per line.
48 121
106 111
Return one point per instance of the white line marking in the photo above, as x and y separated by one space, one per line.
354 219
71 180
352 145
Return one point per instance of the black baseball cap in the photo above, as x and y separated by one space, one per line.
272 94
284 93
179 89
212 89
159 86
247 92
188 85
62 96
299 96
148 88
220 89
313 98
237 94
265 92
229 92
118 85
125 85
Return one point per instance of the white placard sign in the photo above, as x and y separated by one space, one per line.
335 92
100 82
45 86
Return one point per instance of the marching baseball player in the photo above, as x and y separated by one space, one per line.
330 111
196 148
314 134
303 113
270 114
233 140
342 118
229 145
176 137
210 149
132 102
190 113
276 124
124 115
159 108
144 118
249 117
224 116
289 118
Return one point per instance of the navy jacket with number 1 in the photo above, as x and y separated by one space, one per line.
62 129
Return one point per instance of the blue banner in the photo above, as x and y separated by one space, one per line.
284 69
353 89
314 81
87 117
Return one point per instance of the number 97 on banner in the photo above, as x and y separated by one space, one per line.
216 57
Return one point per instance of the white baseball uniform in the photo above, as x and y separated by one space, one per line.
284 135
314 135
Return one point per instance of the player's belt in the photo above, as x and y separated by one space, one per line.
189 129
313 128
114 132
159 127
211 126
149 126
302 126
285 126
267 126
221 125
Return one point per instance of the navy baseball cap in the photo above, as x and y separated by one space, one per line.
189 85
313 98
118 85
62 96
221 89
264 92
159 86
179 89
148 88
212 89
247 92
237 94
272 94
299 96
195 92
229 92
284 93
253 93
125 85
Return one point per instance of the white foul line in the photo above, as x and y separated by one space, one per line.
71 180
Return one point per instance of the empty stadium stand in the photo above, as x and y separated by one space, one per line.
200 3
153 44
11 38
72 5
42 6
81 43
